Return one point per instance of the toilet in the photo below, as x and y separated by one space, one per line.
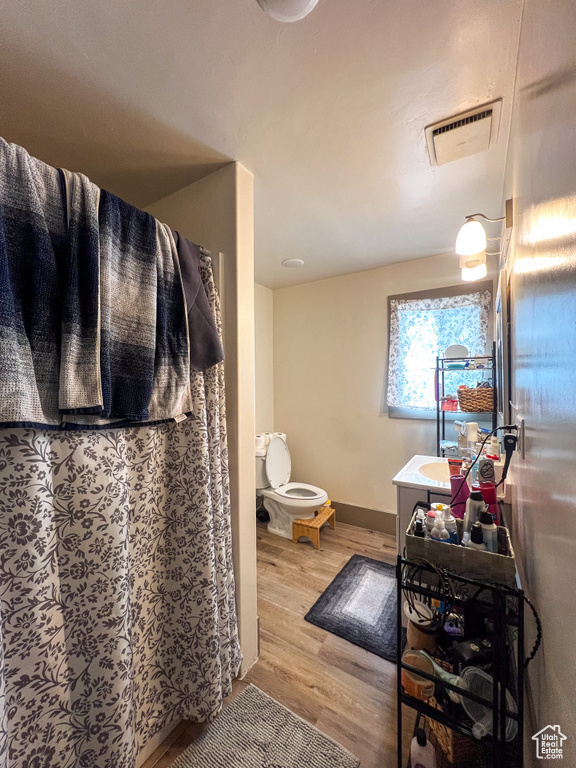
283 500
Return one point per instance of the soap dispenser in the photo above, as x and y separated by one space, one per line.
439 532
450 523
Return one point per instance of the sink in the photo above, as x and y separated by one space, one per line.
437 471
428 472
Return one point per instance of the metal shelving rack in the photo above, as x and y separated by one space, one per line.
489 361
505 606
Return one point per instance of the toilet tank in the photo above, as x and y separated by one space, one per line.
261 479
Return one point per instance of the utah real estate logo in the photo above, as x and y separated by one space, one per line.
549 743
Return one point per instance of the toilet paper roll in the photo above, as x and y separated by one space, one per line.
267 437
260 442
281 435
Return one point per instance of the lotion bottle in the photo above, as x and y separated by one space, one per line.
422 753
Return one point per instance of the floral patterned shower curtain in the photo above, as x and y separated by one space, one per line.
117 611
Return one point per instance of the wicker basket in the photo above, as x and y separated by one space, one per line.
460 751
476 400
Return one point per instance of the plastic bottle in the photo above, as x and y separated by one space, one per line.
462 439
421 515
472 431
450 524
419 529
476 538
439 532
495 446
489 531
422 753
430 520
466 538
474 469
474 507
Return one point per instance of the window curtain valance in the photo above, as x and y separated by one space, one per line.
420 329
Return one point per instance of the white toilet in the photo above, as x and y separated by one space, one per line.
284 501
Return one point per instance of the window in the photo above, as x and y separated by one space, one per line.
421 326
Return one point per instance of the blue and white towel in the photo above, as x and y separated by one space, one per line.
93 322
80 377
144 357
32 254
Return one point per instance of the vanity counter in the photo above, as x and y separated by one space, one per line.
422 473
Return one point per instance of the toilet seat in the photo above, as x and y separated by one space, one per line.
285 501
300 491
278 463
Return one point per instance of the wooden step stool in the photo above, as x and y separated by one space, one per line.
311 527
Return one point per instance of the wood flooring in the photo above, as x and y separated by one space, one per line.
346 692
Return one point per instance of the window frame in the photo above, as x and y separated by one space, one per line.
401 412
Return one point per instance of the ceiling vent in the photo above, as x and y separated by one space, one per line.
463 135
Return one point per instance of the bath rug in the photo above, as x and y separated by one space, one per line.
255 731
360 606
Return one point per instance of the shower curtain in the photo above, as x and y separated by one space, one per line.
117 611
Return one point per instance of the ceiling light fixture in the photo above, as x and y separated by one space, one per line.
471 238
292 263
469 274
474 266
287 10
471 243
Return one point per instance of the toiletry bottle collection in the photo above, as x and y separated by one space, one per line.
489 467
479 530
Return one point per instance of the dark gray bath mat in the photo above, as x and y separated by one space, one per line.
360 606
255 731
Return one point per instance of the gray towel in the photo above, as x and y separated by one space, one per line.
93 321
205 345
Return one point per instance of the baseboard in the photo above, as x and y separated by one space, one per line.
363 517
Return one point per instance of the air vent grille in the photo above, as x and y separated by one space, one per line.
465 121
464 134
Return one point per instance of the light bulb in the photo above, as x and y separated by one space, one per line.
287 10
467 262
470 274
471 239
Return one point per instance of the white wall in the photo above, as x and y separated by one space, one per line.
542 266
218 213
264 351
330 356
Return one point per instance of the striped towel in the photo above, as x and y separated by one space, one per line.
93 323
32 252
144 357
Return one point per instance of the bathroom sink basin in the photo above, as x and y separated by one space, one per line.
436 471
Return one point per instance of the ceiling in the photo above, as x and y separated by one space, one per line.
328 113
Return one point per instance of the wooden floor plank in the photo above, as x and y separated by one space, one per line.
348 693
